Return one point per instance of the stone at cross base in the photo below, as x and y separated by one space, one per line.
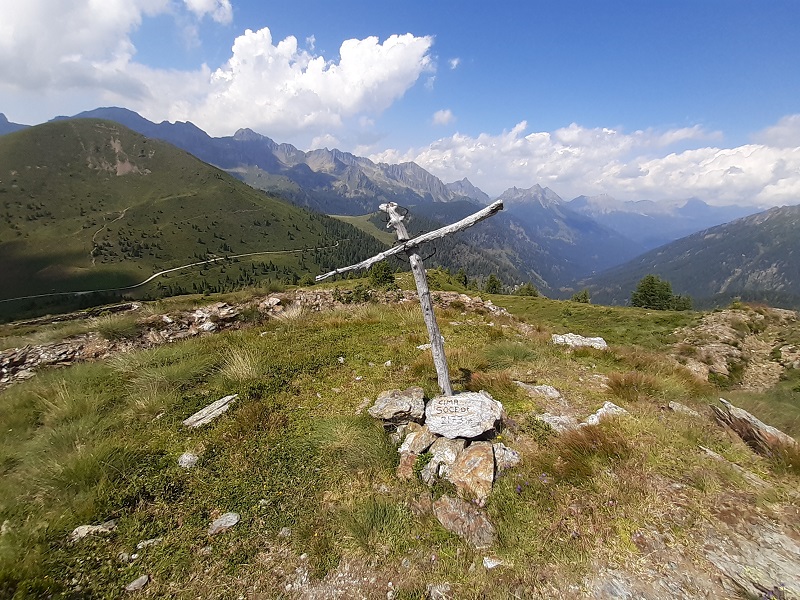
467 415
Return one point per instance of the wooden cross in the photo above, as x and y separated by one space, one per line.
408 246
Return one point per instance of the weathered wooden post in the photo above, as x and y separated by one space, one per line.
424 293
408 247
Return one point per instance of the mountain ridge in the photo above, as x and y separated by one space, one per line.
754 257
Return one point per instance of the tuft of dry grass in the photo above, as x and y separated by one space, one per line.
633 385
241 364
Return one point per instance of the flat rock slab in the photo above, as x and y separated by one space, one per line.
472 471
761 437
137 584
545 391
682 408
559 423
223 523
399 406
463 519
574 340
210 412
468 415
81 531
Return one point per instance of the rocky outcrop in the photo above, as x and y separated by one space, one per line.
738 347
762 438
17 364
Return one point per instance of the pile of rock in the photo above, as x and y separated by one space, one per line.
449 437
20 363
317 300
165 328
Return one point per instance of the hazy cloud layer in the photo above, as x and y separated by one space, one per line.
644 164
784 134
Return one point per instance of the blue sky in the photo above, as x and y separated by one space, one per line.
656 100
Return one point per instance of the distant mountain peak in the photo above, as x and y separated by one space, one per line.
7 126
467 189
535 194
247 135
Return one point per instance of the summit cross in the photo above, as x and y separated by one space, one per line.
408 247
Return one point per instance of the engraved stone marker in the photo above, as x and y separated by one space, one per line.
466 415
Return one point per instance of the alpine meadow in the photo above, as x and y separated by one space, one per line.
435 301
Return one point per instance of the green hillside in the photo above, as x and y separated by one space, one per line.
91 205
753 258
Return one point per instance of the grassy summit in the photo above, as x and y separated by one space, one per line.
313 477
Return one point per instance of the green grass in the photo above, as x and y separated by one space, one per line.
617 325
99 441
363 223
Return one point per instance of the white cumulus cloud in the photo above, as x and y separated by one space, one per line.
643 164
443 117
454 62
58 48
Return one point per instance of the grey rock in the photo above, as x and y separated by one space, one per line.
761 437
751 478
578 341
223 523
438 591
546 391
468 415
465 520
609 409
81 531
150 542
473 470
399 406
187 460
490 563
559 423
417 441
444 452
504 457
210 412
138 583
